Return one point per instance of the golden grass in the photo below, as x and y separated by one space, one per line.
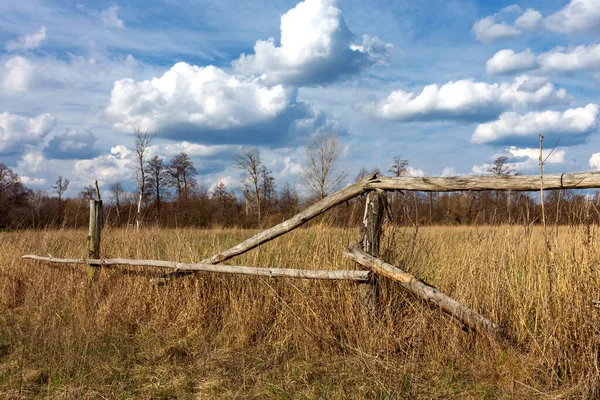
223 336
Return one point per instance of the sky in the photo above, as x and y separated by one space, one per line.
447 85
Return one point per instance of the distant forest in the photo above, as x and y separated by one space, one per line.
167 194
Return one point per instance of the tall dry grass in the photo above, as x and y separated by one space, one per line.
222 336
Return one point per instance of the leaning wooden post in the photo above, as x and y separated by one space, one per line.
94 234
370 236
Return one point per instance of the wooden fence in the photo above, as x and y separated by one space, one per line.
366 253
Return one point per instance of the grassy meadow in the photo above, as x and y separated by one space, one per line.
223 336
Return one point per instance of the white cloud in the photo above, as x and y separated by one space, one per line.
206 97
93 72
197 150
18 72
32 162
291 168
414 172
107 168
529 20
449 171
572 126
28 181
315 47
491 29
27 42
465 100
507 61
16 132
556 61
110 17
571 59
513 8
209 105
579 16
595 161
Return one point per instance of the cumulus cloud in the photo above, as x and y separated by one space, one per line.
513 8
110 17
72 144
595 161
571 59
16 132
507 61
209 105
571 127
107 168
556 61
414 172
579 16
529 20
491 29
27 42
316 47
465 100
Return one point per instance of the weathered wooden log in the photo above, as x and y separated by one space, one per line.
569 180
435 184
370 237
463 313
94 234
360 276
95 229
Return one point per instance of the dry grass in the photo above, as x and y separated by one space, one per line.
217 336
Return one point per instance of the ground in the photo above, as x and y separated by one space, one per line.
63 335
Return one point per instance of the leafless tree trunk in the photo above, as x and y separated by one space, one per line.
142 142
248 161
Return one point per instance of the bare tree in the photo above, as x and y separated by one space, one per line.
289 201
182 171
501 167
143 138
117 191
60 187
267 189
88 192
12 193
157 180
399 166
248 161
321 175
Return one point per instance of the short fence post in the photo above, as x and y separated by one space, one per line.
370 235
94 234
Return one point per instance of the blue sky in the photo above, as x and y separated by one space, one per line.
448 85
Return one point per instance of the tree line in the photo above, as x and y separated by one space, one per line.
167 194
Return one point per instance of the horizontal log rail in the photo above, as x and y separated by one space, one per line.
524 183
350 275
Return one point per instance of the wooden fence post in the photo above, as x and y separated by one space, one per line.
94 234
370 236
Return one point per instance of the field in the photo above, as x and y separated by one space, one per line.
223 336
